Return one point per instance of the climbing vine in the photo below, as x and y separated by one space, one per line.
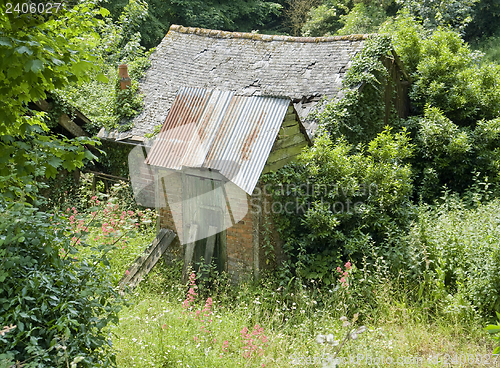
359 114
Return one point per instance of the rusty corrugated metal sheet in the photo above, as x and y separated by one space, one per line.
218 130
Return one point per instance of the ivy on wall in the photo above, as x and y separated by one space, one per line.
359 114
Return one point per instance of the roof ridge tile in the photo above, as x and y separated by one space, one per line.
264 37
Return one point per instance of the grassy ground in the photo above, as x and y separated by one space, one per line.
263 325
157 331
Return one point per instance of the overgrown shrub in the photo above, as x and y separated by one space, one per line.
455 105
347 17
362 19
61 307
456 14
342 201
446 73
453 156
325 19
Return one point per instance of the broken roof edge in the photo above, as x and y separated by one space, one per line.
302 128
263 37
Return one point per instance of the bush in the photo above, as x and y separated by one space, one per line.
446 73
452 156
339 201
455 105
456 14
61 307
325 19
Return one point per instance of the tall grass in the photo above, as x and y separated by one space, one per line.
157 331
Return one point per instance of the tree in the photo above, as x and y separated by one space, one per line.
241 15
61 307
456 14
40 53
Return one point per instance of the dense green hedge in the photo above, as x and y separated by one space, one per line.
61 307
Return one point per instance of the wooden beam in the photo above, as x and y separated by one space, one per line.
71 126
107 175
145 263
288 131
273 166
283 153
64 120
291 140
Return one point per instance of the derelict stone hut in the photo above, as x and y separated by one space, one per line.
231 106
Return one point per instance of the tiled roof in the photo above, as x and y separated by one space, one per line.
301 68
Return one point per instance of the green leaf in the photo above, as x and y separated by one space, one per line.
57 61
36 66
81 67
493 329
55 162
102 78
24 50
5 42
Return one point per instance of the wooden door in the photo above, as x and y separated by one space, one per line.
203 209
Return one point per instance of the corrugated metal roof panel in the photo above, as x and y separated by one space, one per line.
217 130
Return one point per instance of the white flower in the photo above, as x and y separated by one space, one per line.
346 323
331 340
320 339
361 329
354 335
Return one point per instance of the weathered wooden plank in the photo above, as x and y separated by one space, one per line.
289 120
188 255
71 126
273 166
283 153
143 265
289 141
209 248
290 130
